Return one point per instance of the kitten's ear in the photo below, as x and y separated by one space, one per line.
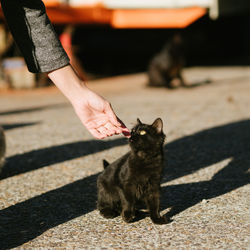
138 121
105 163
158 124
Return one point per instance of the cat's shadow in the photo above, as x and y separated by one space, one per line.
229 143
43 157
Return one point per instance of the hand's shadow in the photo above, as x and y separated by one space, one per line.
40 158
201 150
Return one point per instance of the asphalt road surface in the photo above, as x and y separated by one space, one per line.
48 185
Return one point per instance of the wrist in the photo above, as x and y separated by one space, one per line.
67 80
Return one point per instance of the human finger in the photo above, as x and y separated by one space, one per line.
111 114
116 121
104 131
125 130
96 123
113 129
96 134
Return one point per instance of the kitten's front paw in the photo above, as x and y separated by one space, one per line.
161 220
128 216
108 213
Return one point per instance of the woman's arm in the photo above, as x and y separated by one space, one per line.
34 35
43 52
94 111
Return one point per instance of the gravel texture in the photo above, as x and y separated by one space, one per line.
48 185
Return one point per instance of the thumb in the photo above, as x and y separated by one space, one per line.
116 121
112 116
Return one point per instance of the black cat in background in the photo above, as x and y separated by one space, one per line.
165 68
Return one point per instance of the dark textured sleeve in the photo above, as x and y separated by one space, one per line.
34 35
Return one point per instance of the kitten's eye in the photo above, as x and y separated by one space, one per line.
143 132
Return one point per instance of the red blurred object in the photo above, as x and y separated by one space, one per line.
63 13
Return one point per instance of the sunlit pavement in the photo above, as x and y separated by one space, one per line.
48 186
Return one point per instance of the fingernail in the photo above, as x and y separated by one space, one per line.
126 133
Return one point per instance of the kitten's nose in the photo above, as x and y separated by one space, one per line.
132 138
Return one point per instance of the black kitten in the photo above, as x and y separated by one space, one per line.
135 176
165 69
2 148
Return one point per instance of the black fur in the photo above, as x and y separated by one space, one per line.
165 69
105 164
135 176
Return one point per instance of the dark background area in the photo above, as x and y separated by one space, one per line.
105 51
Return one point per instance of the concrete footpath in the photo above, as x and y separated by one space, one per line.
48 186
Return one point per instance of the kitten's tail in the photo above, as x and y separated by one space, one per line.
105 163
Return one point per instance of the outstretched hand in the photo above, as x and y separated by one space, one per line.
98 117
94 111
